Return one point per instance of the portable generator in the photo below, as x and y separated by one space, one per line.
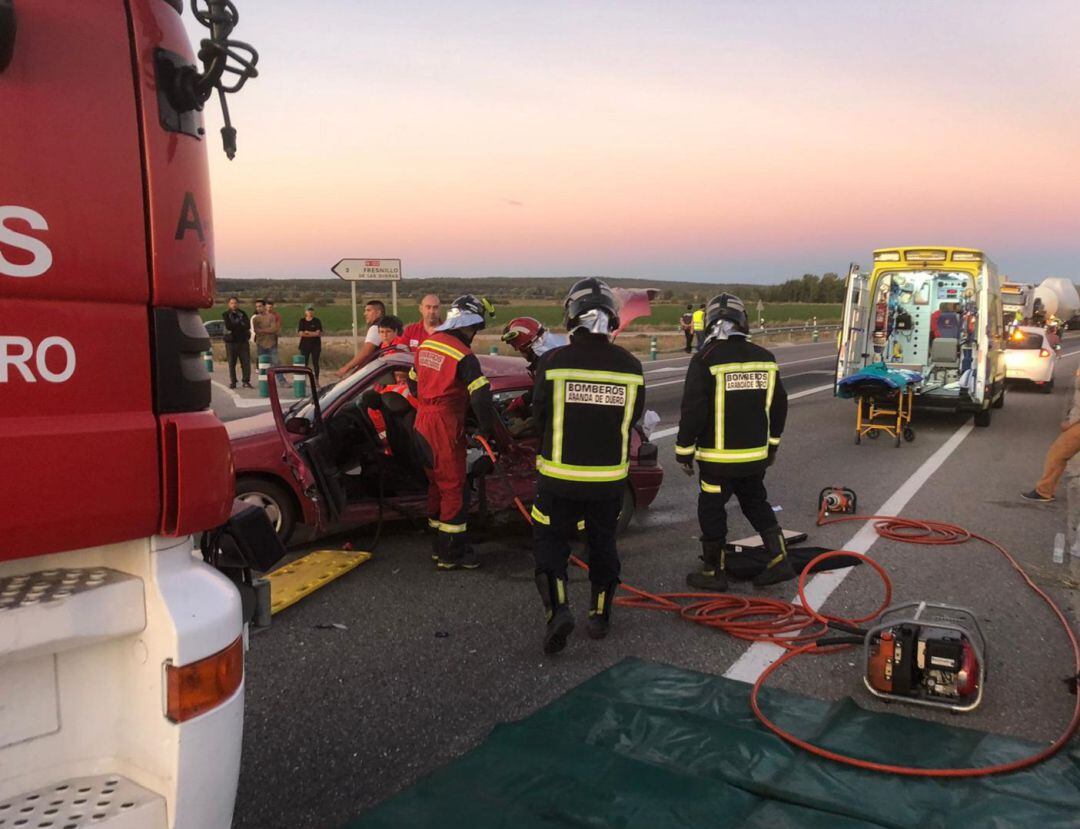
927 654
836 500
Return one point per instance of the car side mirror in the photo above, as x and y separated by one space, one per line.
298 426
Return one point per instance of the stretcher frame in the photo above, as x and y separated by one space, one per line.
885 411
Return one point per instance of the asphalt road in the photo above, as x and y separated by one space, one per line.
430 662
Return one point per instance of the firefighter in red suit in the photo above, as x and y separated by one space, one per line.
448 381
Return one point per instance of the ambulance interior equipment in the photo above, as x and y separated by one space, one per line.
934 312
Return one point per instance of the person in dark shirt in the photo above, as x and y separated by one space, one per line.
237 342
310 329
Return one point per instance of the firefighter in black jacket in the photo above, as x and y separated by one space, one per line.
586 398
733 412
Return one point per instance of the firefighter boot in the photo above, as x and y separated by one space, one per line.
560 624
779 567
603 597
455 553
712 576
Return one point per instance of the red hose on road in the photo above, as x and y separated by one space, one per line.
797 627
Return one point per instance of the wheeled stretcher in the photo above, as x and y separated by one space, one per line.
884 400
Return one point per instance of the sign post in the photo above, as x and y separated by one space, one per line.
368 270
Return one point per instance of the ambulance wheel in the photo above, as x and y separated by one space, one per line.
982 418
999 403
1047 387
858 437
873 435
626 512
909 434
897 444
271 497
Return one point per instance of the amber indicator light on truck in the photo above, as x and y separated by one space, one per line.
200 686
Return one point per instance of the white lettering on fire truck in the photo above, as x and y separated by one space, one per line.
41 257
16 354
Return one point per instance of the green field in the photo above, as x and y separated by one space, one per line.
338 318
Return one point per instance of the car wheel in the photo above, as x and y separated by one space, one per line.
274 499
1000 401
626 513
1047 387
982 418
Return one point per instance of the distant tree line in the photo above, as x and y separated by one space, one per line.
809 288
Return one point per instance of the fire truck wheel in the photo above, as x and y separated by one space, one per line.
273 498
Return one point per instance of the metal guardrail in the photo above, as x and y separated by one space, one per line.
795 329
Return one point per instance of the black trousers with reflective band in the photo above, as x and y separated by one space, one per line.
555 521
753 501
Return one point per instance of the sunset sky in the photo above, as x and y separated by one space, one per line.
736 141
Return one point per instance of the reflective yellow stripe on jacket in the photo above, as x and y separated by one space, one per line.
443 348
718 454
555 468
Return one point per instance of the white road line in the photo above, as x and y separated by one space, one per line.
749 666
806 392
671 430
807 373
664 370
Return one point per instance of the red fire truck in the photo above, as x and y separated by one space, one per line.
121 650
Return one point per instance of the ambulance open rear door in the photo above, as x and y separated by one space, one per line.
852 347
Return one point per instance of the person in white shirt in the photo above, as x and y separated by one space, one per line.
374 310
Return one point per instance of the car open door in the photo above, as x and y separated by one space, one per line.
850 357
308 458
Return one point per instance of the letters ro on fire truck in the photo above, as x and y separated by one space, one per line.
121 651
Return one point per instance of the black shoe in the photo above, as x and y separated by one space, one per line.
711 576
779 567
600 604
1036 496
248 385
232 385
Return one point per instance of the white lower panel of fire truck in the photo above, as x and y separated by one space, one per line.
85 638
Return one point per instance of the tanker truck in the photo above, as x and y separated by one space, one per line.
1055 298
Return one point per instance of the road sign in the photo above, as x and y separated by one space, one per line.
368 270
362 270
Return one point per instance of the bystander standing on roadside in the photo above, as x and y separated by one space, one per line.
266 335
430 319
374 310
1060 452
237 342
273 313
310 330
698 325
686 325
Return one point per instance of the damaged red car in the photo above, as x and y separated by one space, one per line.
326 464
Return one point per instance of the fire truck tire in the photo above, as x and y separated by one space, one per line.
999 403
273 498
626 514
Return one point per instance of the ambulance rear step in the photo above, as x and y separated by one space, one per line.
50 611
102 801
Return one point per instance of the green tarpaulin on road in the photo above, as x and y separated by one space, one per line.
650 745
